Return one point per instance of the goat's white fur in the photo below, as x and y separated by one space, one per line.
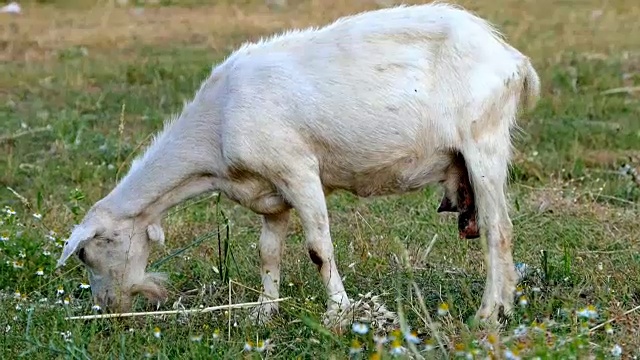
374 103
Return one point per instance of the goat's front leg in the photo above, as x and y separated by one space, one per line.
272 238
303 189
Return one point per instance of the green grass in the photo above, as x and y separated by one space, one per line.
575 218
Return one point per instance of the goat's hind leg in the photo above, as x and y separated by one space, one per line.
487 162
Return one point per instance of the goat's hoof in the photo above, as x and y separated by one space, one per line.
489 315
337 318
262 314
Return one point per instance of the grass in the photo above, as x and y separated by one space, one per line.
83 85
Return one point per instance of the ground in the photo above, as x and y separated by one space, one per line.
84 85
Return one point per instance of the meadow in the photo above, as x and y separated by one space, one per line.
85 84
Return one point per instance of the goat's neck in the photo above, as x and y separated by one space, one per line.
179 165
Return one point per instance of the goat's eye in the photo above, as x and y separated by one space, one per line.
81 255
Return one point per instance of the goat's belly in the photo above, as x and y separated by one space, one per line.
408 174
255 194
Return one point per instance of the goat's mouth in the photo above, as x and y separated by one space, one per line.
112 304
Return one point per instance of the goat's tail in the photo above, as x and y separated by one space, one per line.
531 86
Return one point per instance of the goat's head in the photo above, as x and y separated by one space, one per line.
115 253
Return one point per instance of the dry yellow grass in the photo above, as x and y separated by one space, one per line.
543 29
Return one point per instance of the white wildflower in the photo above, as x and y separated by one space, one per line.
520 331
608 329
616 350
360 328
196 338
412 337
37 216
510 355
523 301
66 336
443 309
589 312
248 346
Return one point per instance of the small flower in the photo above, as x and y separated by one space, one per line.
523 301
520 331
22 254
539 328
356 347
96 307
443 309
60 290
395 334
396 347
66 336
16 295
4 237
248 346
216 334
616 350
262 345
459 349
360 328
608 329
156 332
380 340
84 286
37 216
589 312
40 272
46 253
18 264
196 338
66 301
9 211
429 345
519 291
412 337
511 354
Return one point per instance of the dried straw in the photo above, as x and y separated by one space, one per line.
169 312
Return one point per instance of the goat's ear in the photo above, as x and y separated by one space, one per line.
155 233
80 234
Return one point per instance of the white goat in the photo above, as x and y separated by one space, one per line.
382 102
